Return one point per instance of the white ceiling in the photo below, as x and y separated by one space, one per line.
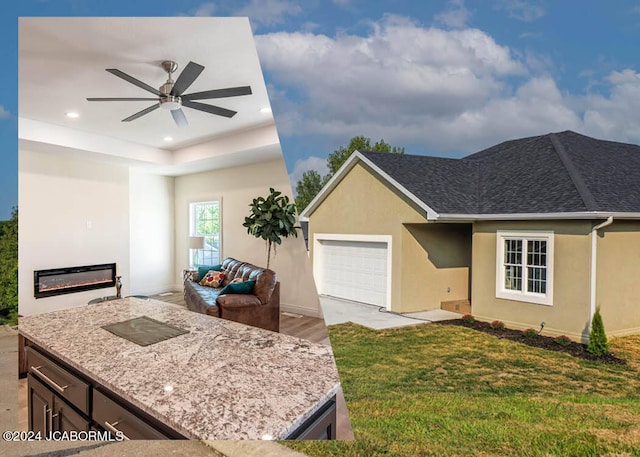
62 61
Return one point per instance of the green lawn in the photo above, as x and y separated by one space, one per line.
448 391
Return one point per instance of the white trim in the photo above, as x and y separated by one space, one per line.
594 265
318 256
285 307
190 220
528 297
357 156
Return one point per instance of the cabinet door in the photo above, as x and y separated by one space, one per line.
115 418
65 419
40 404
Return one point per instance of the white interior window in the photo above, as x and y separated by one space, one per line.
524 264
205 221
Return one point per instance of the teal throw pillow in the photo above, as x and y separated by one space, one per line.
245 287
203 270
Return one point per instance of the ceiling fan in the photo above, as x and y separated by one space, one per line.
171 96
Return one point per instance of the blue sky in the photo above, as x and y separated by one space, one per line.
446 78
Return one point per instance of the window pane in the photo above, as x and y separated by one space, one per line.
206 222
513 277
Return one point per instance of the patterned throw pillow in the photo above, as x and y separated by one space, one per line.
212 279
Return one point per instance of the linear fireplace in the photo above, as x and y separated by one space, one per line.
58 281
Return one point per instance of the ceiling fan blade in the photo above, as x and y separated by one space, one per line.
209 108
219 93
98 99
179 117
186 78
133 117
134 81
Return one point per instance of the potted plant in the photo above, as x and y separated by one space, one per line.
272 219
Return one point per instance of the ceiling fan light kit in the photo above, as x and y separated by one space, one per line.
171 97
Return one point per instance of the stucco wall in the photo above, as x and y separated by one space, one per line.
362 205
435 260
569 314
617 289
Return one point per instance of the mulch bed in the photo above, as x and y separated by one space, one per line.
545 342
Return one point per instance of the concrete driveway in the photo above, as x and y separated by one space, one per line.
338 311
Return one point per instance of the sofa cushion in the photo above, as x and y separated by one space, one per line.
212 279
203 270
239 287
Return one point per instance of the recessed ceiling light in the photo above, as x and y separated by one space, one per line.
168 138
265 110
72 114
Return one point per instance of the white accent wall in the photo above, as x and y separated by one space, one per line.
152 227
236 187
73 212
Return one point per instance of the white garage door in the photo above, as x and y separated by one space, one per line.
354 270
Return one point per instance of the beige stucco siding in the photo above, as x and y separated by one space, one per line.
362 204
618 273
569 313
436 261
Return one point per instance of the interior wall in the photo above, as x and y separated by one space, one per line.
236 187
152 225
73 212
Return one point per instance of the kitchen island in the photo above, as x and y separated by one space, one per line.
219 380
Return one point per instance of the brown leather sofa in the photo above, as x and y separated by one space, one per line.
259 309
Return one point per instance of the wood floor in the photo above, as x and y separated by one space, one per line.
305 327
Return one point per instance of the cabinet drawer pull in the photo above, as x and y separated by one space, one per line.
50 381
47 427
112 428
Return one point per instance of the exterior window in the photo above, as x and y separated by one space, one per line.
205 221
524 266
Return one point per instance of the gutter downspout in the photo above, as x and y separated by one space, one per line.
594 264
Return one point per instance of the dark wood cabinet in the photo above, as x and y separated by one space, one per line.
50 413
62 401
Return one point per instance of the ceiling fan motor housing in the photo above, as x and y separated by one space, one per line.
169 102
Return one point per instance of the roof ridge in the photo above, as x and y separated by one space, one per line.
574 174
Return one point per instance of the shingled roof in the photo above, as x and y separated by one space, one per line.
554 173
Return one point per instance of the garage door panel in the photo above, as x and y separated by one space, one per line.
355 270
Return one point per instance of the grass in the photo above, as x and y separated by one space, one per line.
451 391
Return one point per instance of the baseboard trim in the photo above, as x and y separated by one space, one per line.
284 307
156 290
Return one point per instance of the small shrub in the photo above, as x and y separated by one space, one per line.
468 319
497 325
563 340
598 345
530 333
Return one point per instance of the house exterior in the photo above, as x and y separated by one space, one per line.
539 229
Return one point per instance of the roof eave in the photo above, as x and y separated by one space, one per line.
356 157
536 216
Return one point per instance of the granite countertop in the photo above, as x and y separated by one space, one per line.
222 380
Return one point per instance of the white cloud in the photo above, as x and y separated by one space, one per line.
379 86
205 9
267 13
522 10
456 17
4 114
310 163
615 115
450 91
